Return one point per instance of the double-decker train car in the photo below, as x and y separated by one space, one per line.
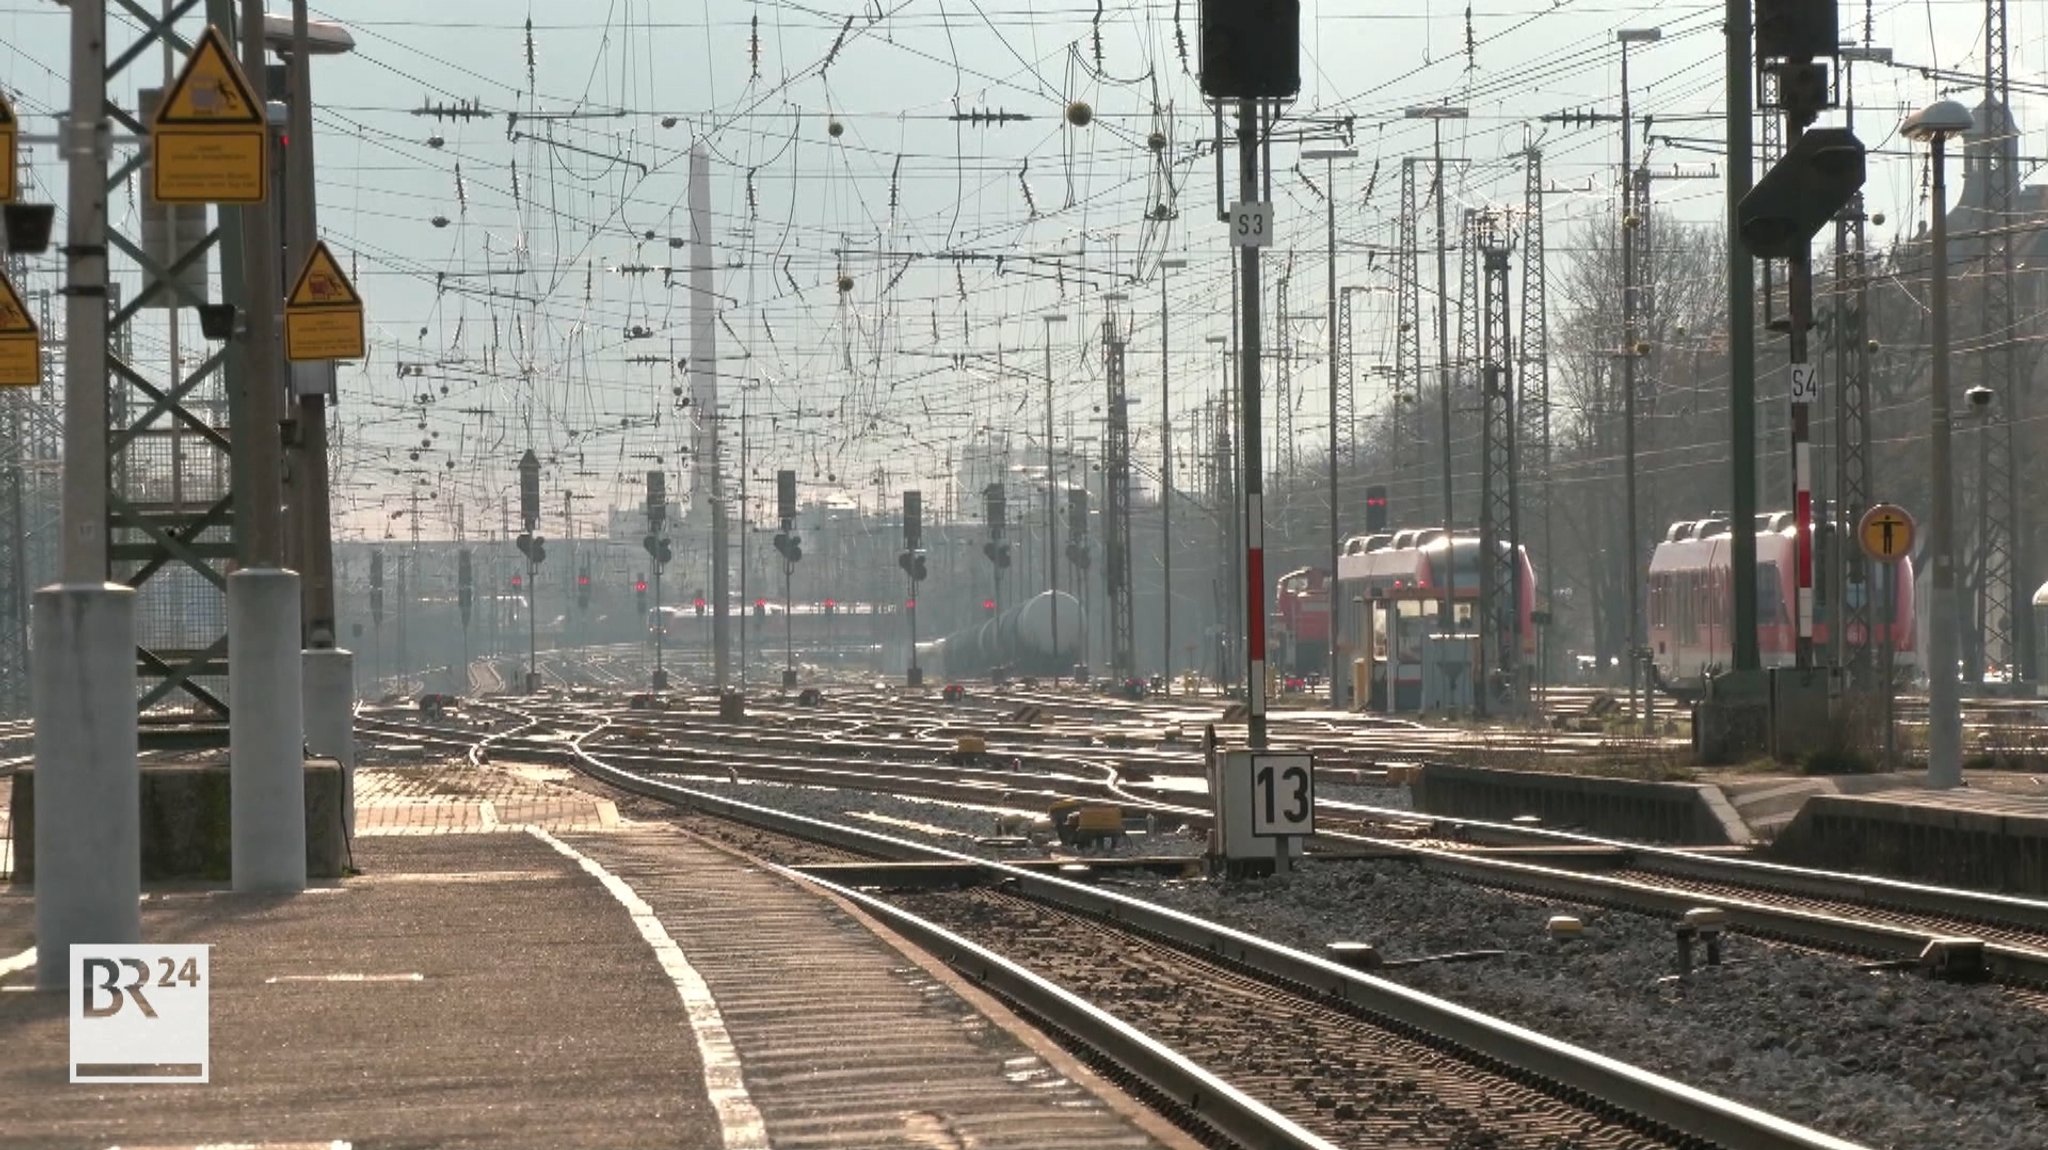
1691 605
1301 623
1390 591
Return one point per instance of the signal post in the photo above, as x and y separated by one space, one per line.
1251 54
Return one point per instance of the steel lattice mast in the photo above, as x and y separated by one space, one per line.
1408 319
2001 634
1532 404
1116 507
1499 528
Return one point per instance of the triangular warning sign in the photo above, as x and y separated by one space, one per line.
211 90
322 284
13 315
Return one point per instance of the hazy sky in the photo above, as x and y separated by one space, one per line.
503 252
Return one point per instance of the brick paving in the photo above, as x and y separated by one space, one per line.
455 798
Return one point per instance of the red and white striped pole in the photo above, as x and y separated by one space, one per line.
1805 390
1250 436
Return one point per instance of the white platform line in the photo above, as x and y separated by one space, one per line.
24 961
738 1118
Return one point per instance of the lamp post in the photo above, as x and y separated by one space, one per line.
1632 571
327 672
1052 551
1933 125
1330 156
1437 114
1165 486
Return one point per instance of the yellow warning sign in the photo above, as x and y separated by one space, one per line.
323 317
208 139
8 130
322 283
21 360
1886 531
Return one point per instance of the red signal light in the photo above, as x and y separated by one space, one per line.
910 603
831 602
519 580
760 602
697 603
583 580
640 585
988 604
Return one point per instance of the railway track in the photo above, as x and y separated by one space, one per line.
1081 966
1853 915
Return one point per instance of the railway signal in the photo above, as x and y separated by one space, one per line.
640 596
583 591
912 560
791 546
465 584
988 608
1376 509
662 553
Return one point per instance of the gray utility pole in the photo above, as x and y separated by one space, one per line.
89 856
266 671
1437 113
1052 550
1934 125
1747 659
707 493
1225 497
1166 482
1634 570
329 673
1330 156
312 383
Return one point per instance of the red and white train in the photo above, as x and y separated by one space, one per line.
1390 591
1690 600
1301 623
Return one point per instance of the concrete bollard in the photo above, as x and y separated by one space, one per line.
329 700
1712 923
266 732
88 796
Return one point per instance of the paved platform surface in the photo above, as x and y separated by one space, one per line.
573 981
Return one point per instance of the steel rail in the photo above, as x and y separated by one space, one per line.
1217 1103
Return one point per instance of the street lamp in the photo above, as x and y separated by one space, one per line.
1330 156
1437 114
1933 125
1637 696
1165 486
1052 572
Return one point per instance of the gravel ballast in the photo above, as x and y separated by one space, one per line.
1889 1059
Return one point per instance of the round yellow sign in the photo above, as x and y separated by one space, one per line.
1887 532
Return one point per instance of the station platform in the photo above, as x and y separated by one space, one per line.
1990 835
514 964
